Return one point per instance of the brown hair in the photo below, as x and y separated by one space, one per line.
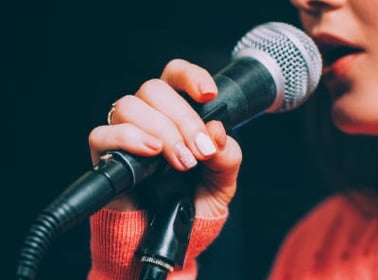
347 162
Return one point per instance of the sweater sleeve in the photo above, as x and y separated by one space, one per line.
115 237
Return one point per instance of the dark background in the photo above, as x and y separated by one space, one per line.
69 60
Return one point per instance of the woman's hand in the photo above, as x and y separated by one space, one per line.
157 120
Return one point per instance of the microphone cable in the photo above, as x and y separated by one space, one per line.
275 68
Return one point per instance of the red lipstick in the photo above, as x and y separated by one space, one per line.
338 53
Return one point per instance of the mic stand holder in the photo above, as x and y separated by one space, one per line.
164 246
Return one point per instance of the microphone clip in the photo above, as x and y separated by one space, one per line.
165 244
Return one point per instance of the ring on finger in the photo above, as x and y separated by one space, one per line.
110 113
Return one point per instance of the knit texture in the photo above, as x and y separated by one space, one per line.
115 237
337 240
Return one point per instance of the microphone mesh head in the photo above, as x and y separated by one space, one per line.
295 53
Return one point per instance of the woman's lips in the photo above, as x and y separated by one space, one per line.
339 58
340 66
338 54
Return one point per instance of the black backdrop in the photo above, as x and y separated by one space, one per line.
71 59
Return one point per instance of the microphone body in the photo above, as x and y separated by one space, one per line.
238 100
254 82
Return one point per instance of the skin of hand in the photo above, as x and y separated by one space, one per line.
157 120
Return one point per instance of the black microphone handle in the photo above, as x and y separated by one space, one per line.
246 89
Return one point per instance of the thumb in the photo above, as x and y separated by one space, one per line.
219 177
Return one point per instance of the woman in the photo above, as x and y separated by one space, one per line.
339 238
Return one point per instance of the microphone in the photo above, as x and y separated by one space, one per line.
275 67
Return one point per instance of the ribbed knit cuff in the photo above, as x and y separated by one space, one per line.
115 237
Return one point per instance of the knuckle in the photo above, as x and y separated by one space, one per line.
127 136
93 137
126 102
174 64
167 127
190 124
124 135
151 87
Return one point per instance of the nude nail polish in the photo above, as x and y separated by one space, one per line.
185 156
204 144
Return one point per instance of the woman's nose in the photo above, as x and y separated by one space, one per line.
317 5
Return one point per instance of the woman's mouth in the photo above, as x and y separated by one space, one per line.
339 59
338 54
335 53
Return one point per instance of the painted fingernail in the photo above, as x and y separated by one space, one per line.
208 88
207 96
204 144
185 156
208 91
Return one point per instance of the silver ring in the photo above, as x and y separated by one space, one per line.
110 113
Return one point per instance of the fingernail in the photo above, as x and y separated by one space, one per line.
208 89
185 156
204 144
207 96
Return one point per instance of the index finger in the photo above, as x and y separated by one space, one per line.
190 78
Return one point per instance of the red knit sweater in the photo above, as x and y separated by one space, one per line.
115 237
337 240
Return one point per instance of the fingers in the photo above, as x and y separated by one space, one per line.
219 182
158 119
186 121
223 167
123 137
190 78
161 112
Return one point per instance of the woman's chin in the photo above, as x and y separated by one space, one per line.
355 114
354 126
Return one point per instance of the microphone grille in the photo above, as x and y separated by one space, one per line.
295 53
